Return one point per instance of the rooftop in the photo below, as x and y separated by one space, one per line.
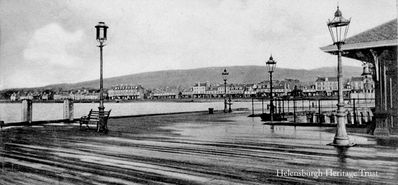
379 36
386 31
360 78
323 79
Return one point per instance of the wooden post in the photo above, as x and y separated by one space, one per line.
252 106
280 106
354 110
283 108
294 110
359 118
26 111
68 109
319 110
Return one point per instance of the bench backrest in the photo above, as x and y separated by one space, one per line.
95 114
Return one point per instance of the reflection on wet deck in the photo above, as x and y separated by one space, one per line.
195 149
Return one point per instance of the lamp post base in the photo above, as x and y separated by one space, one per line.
342 142
341 138
101 123
339 145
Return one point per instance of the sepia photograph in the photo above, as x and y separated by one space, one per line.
188 92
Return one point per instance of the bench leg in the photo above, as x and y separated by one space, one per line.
81 123
84 122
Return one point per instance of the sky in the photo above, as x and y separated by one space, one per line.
46 42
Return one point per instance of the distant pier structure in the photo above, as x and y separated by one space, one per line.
377 47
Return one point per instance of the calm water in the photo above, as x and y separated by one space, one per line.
11 112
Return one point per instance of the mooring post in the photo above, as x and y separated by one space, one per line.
68 109
252 106
26 111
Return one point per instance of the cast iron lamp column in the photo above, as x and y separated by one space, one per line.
271 68
229 101
101 29
338 28
225 76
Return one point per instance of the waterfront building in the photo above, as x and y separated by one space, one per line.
237 90
199 89
187 93
361 85
309 89
62 96
263 88
85 96
212 92
14 96
165 94
127 92
250 90
45 96
221 91
27 96
280 88
326 86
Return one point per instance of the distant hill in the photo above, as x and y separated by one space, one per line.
186 78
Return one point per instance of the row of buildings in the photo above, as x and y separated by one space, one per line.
358 87
75 95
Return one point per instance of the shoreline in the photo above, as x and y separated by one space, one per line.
135 101
181 100
40 122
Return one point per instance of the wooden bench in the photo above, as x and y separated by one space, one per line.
93 117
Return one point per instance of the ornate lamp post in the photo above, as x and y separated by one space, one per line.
101 38
271 64
225 76
338 28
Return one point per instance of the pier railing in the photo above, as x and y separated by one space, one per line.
316 110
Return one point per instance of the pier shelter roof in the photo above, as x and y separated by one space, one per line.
382 37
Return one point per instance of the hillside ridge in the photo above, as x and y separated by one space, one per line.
185 78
